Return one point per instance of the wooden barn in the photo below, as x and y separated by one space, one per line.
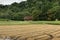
28 18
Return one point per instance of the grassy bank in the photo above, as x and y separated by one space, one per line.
28 22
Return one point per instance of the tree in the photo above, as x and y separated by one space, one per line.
38 9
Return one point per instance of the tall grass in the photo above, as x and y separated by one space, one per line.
28 22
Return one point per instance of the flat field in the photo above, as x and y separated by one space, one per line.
31 32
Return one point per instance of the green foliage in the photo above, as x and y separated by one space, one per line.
38 9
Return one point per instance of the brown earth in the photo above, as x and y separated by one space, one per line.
31 32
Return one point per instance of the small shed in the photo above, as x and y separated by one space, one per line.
28 18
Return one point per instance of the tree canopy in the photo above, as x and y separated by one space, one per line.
38 9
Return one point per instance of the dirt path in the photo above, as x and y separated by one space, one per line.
32 32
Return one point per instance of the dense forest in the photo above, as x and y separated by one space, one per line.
46 10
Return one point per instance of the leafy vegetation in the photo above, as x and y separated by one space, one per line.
38 9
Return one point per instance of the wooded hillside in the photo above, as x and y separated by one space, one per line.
38 9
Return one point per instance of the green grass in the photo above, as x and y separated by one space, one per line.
28 22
